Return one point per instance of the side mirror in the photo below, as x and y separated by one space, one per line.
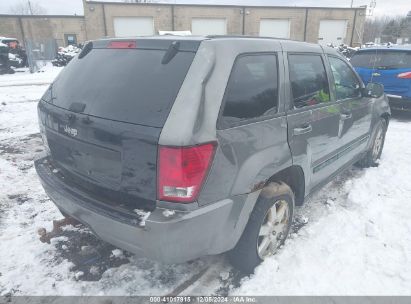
374 90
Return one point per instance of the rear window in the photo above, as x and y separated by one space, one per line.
382 60
129 85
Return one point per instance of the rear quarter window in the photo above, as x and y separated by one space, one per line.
252 89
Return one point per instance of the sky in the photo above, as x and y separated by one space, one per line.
71 7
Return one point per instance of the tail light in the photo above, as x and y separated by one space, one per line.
405 75
182 171
122 45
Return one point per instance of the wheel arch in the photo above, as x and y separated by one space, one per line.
294 177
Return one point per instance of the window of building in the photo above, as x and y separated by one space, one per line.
71 39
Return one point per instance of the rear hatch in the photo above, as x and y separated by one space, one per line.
103 115
384 66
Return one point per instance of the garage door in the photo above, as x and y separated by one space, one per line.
133 26
209 26
279 28
332 31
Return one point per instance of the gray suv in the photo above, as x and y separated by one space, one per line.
176 148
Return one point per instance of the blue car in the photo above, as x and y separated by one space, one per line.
390 66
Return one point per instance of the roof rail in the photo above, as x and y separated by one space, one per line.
243 36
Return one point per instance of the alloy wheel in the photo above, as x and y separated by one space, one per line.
273 230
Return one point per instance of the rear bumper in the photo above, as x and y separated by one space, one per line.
399 102
183 236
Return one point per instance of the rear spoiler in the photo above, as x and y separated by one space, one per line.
185 45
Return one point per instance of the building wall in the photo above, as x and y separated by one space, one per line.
64 26
98 20
42 28
304 22
359 28
9 27
94 21
316 15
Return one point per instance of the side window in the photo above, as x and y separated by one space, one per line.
346 83
308 80
252 89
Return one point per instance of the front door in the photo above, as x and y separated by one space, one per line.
355 119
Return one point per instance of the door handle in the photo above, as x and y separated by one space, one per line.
303 130
345 116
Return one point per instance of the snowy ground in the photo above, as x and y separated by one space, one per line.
357 240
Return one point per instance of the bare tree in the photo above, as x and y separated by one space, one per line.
374 27
387 28
27 7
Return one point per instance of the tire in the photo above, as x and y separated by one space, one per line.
372 156
249 251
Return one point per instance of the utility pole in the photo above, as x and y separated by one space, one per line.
31 11
371 7
352 2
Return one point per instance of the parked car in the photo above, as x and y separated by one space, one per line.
181 147
390 67
4 60
17 54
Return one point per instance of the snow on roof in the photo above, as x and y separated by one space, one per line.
7 38
404 47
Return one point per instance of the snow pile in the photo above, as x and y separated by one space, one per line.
117 253
168 213
19 94
143 216
344 49
65 54
361 246
45 75
70 50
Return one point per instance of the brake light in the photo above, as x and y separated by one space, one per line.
122 45
182 171
405 75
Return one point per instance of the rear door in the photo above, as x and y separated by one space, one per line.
313 120
252 129
104 113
